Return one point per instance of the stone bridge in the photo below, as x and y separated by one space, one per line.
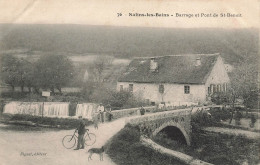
151 124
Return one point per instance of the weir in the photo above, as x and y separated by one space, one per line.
86 110
50 109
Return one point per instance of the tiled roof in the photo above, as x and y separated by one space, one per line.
179 69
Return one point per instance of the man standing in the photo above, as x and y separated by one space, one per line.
142 110
95 120
109 114
101 110
81 132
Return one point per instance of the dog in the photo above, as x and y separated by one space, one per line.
99 151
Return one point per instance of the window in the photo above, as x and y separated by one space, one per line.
209 90
161 88
214 88
223 87
186 89
131 87
226 87
121 88
218 90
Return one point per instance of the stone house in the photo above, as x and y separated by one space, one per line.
175 79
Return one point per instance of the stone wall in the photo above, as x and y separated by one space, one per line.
159 115
130 112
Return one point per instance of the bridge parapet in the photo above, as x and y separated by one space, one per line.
159 115
151 124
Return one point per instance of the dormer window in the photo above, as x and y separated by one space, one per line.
198 61
153 65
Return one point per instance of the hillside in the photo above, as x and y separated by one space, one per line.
128 42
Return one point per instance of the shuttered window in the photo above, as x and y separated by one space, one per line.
161 88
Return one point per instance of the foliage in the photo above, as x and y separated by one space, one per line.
123 99
201 118
53 71
212 117
225 149
49 72
219 98
244 83
117 100
27 72
219 114
97 69
10 70
125 148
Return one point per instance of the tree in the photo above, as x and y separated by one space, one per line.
244 84
97 69
27 74
53 71
10 70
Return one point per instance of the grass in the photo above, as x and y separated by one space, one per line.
20 128
125 148
62 123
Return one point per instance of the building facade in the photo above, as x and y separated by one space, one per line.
175 79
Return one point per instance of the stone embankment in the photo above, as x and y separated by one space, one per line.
189 160
236 132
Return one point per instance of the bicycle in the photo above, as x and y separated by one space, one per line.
69 141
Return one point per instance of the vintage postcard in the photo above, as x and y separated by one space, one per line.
140 82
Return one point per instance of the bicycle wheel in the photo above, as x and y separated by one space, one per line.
90 139
69 141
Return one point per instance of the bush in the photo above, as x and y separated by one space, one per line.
62 122
14 95
219 98
220 114
117 100
201 118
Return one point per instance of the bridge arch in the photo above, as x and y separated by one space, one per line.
173 124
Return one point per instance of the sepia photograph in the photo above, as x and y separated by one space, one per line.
141 82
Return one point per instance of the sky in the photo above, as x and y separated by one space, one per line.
104 12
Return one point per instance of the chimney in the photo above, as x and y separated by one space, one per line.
198 61
153 65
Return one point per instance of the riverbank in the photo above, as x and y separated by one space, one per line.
218 149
